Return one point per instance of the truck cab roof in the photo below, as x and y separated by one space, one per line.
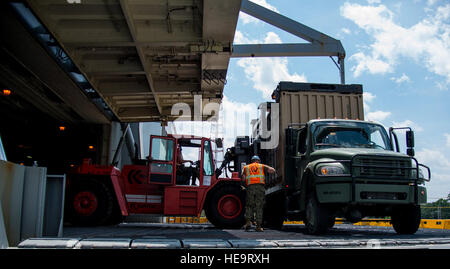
342 120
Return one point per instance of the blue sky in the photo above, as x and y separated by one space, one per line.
398 50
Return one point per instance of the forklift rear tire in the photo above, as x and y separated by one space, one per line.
90 203
226 207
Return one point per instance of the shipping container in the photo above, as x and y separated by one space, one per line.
299 103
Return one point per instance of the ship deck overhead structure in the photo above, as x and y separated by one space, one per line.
142 57
139 58
96 64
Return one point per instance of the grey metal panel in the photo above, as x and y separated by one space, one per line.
156 243
252 243
11 193
54 205
33 202
49 243
105 243
3 237
205 243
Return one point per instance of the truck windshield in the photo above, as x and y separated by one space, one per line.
346 134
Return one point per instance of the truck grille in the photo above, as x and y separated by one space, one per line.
382 167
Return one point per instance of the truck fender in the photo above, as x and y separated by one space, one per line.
308 183
306 186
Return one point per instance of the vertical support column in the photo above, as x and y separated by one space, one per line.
342 68
105 144
11 197
163 128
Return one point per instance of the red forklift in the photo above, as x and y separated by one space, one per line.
176 179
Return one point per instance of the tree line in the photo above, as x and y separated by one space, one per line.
439 209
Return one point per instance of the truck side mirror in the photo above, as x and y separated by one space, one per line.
409 139
410 143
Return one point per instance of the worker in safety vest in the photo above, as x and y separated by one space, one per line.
253 176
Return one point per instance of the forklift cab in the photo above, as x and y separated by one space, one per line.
184 161
185 167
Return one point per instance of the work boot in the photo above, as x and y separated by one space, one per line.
247 225
259 228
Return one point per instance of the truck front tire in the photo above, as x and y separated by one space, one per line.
406 219
317 220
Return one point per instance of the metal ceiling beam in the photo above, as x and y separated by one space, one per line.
319 44
281 50
124 4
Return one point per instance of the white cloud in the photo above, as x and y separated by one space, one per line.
408 123
369 63
239 38
377 115
346 31
269 38
369 115
368 96
431 2
439 164
266 72
245 18
447 139
427 42
401 79
442 85
272 38
234 120
430 156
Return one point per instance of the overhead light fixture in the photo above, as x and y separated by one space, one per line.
6 92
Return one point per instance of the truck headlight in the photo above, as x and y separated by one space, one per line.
330 170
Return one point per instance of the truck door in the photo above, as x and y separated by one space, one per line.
162 161
301 160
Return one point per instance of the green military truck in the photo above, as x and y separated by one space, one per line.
331 163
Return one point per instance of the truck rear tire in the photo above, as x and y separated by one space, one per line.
226 207
90 203
317 220
406 219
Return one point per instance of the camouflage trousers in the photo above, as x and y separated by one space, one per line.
255 203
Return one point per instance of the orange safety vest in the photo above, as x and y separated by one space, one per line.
254 173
